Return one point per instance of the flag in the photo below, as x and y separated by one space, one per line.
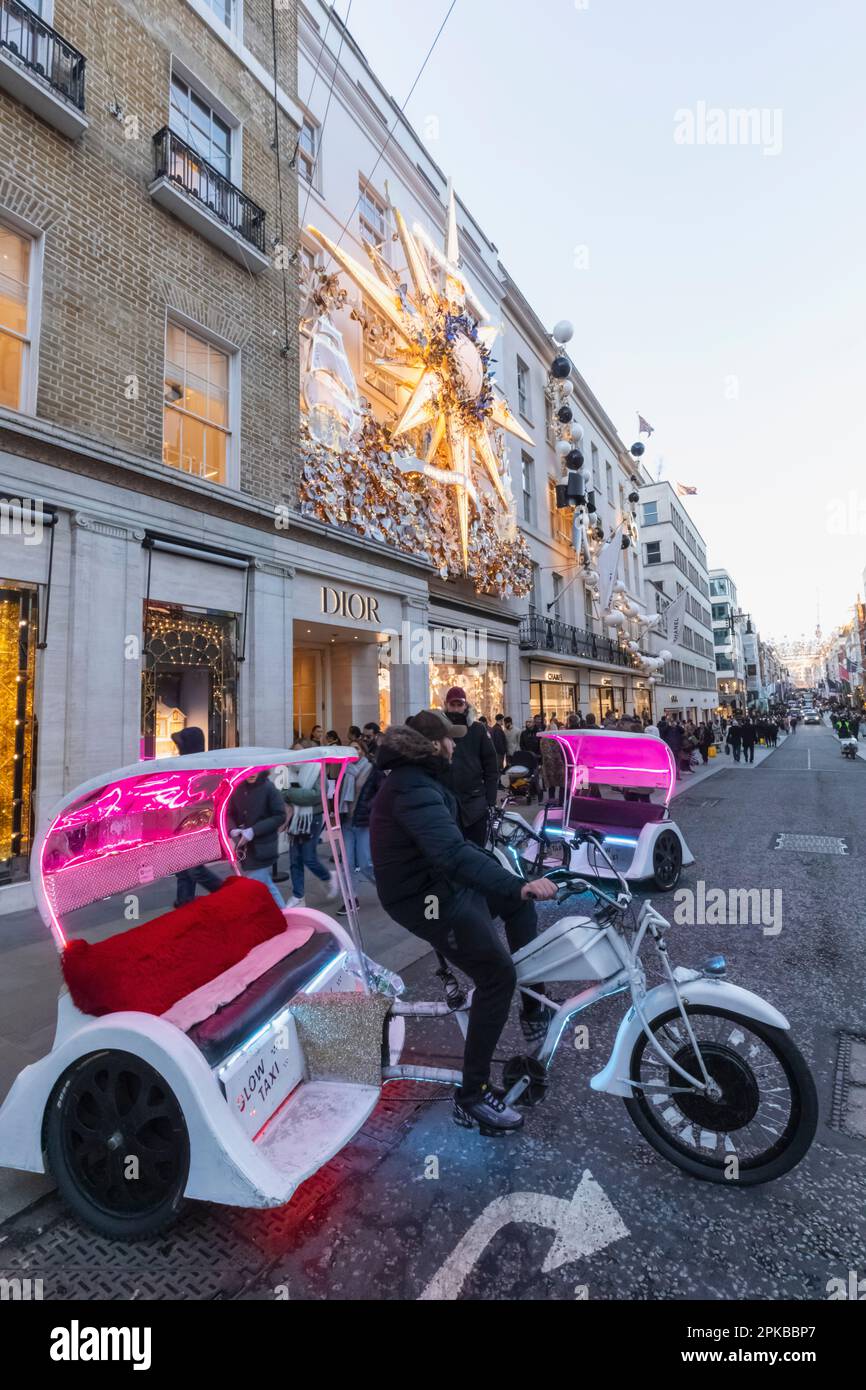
643 427
683 490
608 562
672 619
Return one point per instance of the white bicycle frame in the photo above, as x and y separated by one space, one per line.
682 987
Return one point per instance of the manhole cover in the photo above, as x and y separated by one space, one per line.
849 1086
812 844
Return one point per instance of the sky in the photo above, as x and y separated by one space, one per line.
715 278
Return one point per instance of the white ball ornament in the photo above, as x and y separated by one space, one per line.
563 447
665 656
563 332
577 432
566 388
615 620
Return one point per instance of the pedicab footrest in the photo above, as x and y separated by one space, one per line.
233 1023
151 966
341 1035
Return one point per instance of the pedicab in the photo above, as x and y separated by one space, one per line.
188 1058
609 780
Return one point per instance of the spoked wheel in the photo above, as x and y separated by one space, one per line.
117 1145
667 861
763 1116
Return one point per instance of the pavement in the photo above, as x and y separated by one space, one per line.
577 1206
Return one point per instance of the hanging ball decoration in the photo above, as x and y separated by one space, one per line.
565 414
574 459
563 332
665 655
566 388
637 449
590 506
625 542
634 497
561 368
563 447
577 434
615 619
634 646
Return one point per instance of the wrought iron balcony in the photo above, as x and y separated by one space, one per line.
541 634
40 69
205 199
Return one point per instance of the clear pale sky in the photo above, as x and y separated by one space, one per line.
724 296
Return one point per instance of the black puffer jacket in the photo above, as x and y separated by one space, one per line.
474 770
416 844
257 806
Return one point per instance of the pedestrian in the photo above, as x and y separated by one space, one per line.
355 820
749 734
421 859
475 775
332 739
316 735
500 742
573 721
734 739
372 733
553 726
793 723
254 815
512 736
354 734
304 797
529 741
186 741
590 722
705 741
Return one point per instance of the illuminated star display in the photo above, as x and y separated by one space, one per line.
441 365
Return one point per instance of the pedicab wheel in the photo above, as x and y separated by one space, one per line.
764 1118
667 861
117 1144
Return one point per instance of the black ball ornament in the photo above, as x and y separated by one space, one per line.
565 415
561 368
574 459
633 497
637 449
625 542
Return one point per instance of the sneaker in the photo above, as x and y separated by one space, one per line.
488 1112
296 902
343 911
333 890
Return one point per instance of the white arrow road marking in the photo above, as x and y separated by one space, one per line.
582 1225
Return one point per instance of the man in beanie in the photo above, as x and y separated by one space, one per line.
447 891
475 774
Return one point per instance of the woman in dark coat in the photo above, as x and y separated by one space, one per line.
255 814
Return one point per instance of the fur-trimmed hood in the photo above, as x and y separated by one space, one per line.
402 746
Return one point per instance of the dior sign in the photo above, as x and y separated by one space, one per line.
347 604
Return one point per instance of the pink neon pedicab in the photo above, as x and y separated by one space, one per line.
190 1057
618 784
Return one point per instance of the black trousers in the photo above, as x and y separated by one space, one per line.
466 935
749 752
477 831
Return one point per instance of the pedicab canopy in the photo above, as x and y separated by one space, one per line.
614 758
150 820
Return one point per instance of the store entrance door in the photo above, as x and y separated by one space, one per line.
308 706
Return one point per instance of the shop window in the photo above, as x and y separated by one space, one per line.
18 638
17 257
484 686
552 699
189 677
197 435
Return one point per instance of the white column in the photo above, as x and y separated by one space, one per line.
265 681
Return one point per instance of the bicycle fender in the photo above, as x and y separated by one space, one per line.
717 994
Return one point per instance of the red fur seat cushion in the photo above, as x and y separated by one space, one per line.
151 967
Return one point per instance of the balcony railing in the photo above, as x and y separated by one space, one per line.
42 51
542 634
177 161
